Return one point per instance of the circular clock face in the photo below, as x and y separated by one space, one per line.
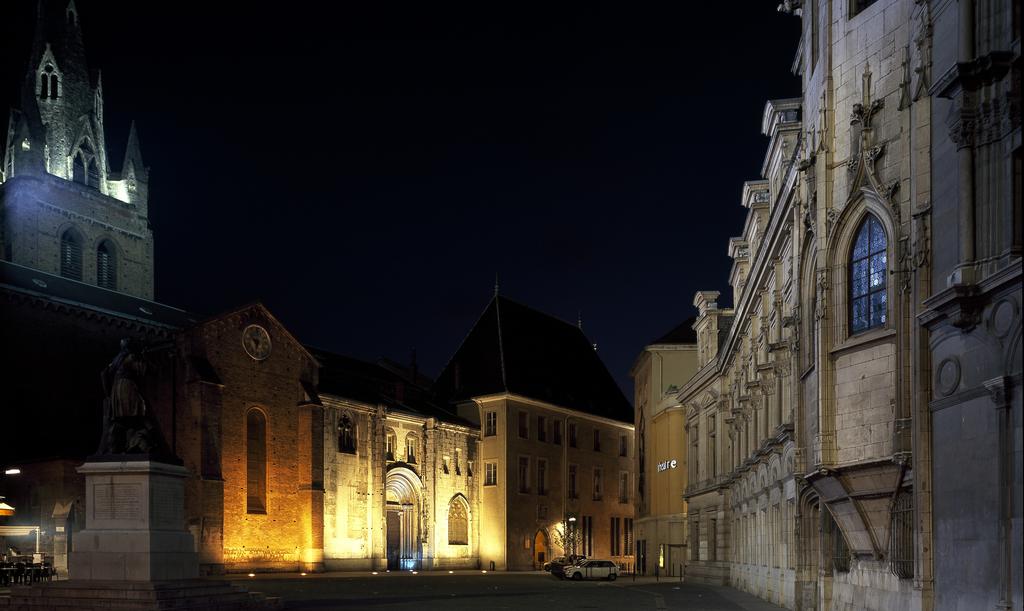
256 342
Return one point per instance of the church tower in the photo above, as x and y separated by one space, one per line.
63 209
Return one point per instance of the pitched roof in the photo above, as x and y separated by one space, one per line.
681 334
378 384
514 348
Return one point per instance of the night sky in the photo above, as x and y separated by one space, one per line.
366 168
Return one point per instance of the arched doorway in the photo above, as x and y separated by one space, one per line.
540 550
402 509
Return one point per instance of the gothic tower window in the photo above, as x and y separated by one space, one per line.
256 461
346 435
867 276
106 265
49 83
71 254
458 522
78 169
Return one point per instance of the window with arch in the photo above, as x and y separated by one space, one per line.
867 276
49 83
256 461
85 169
389 448
346 435
71 254
458 522
410 448
106 266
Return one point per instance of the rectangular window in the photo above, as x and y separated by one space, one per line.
572 434
542 428
628 536
524 474
490 474
614 537
390 448
597 440
458 461
444 465
573 490
490 424
588 535
623 486
556 432
410 449
597 484
623 446
524 425
542 476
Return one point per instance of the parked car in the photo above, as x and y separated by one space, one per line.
592 569
558 563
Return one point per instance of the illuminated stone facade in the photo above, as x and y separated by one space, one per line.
401 489
63 210
658 373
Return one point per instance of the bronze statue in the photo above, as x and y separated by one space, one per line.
129 426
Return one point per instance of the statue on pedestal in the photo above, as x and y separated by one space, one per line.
129 426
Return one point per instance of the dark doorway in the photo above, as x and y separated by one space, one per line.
394 527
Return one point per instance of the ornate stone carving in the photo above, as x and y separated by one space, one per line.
922 56
822 288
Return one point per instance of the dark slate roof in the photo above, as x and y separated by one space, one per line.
73 292
682 334
514 348
372 383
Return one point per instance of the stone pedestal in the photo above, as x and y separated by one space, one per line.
135 553
134 525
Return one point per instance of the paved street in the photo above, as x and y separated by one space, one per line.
475 590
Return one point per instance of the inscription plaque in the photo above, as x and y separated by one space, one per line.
117 501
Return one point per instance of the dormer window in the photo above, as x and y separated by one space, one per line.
49 83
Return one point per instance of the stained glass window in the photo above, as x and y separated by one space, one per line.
867 276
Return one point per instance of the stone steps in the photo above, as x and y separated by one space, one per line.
185 595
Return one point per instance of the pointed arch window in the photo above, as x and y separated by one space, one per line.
106 265
49 83
346 435
458 522
78 169
256 461
868 266
71 254
85 166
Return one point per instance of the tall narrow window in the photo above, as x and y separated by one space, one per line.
53 86
256 462
458 522
490 424
490 474
389 450
410 449
346 435
573 482
598 484
78 169
901 537
597 440
867 276
542 428
524 425
458 461
524 474
106 266
572 434
623 446
556 432
542 476
71 255
623 486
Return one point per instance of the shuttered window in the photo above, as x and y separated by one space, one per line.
71 255
106 266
